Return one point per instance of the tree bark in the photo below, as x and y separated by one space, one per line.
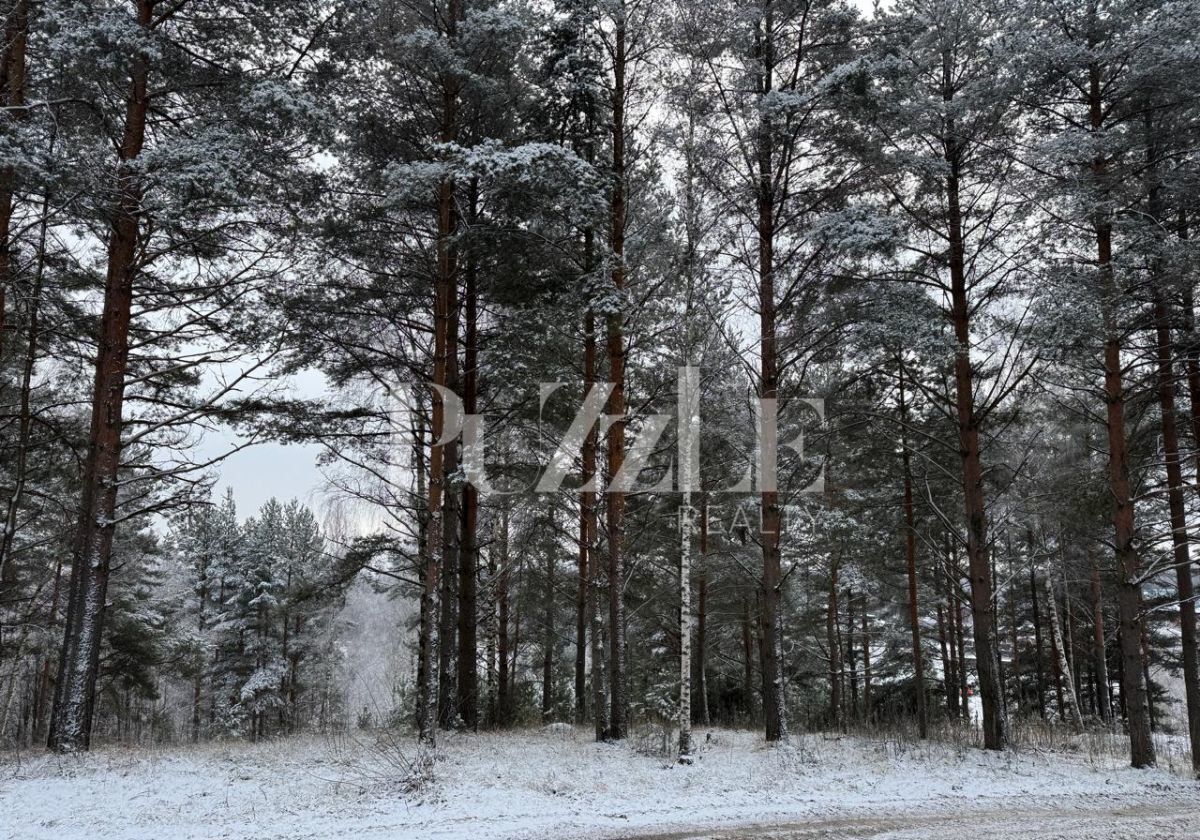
589 532
12 89
468 558
747 660
504 701
1068 701
1134 685
548 637
866 643
835 651
1178 514
1099 657
774 717
75 691
618 713
702 615
1039 649
964 690
432 664
910 555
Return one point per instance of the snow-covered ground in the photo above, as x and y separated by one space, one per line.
556 783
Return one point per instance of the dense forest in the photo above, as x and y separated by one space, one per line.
788 364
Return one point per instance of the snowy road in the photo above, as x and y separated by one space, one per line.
1179 821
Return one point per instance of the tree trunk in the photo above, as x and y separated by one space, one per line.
1191 357
25 418
851 658
1039 649
689 431
492 632
589 530
1018 688
987 658
587 519
468 569
866 643
431 661
774 717
964 690
75 691
618 714
201 626
504 702
1134 686
12 75
1099 657
910 554
835 651
447 694
1056 654
548 637
702 615
1179 535
1068 701
468 613
747 661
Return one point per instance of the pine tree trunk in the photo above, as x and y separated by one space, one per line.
619 711
1099 657
589 529
446 347
851 657
492 632
685 628
548 636
702 615
774 717
835 651
428 553
447 695
964 690
433 664
688 436
987 662
987 657
947 662
1178 513
587 515
1191 356
1039 649
468 570
747 661
866 643
12 91
910 554
1135 685
1018 687
504 703
201 626
75 691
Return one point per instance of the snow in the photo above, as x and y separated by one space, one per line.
556 782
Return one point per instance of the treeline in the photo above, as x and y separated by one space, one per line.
214 627
948 242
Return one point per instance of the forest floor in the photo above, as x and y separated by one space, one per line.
557 783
